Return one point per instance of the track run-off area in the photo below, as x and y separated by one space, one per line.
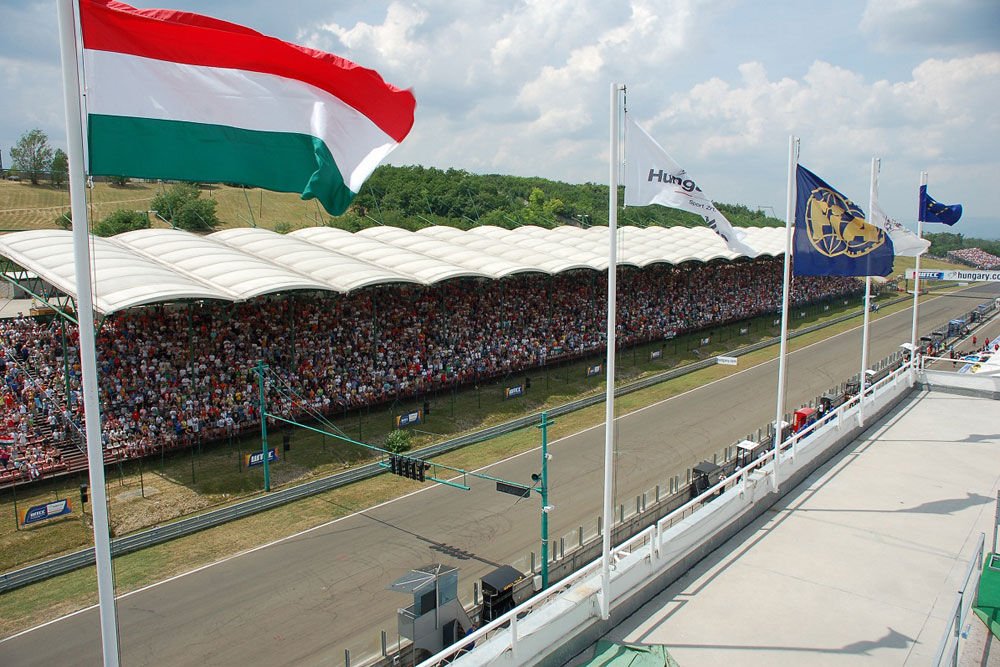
307 598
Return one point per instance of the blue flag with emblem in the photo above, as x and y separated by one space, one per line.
831 235
933 211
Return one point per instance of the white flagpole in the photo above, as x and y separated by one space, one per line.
85 318
868 302
793 144
609 407
916 278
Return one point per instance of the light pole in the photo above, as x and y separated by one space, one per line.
543 489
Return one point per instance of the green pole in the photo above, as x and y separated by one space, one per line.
69 396
544 490
263 424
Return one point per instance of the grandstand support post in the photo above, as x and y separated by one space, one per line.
17 524
263 424
72 94
69 396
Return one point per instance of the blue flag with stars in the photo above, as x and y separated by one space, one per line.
933 211
831 235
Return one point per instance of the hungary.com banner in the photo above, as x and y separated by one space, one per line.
971 276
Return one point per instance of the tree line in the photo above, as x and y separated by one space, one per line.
412 197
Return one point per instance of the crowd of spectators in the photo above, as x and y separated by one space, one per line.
975 257
30 421
171 375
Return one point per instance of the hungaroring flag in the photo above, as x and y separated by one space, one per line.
175 95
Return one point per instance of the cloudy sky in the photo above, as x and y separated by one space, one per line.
522 87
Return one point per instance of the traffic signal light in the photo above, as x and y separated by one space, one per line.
408 468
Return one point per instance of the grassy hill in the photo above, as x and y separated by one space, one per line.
25 206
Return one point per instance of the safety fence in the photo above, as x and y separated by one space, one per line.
957 630
189 525
559 618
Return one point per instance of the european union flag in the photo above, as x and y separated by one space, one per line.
932 211
831 235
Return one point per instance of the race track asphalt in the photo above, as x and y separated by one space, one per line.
305 599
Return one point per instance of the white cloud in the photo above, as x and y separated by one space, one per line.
391 42
522 88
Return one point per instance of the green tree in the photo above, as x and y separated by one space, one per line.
120 181
32 154
197 215
397 441
64 221
60 168
183 207
120 221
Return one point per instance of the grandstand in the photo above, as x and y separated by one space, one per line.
347 321
975 257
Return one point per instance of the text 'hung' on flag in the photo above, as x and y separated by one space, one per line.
933 211
831 235
652 177
176 95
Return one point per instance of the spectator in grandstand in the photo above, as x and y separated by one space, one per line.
171 375
975 257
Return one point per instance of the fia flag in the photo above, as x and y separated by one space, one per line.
177 95
831 235
934 211
652 177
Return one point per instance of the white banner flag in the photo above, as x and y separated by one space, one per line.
652 177
904 242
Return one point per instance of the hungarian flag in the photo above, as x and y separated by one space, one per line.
180 96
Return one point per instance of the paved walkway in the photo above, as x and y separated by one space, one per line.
858 565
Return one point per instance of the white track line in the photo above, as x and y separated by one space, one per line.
427 488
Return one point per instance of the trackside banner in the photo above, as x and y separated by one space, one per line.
257 458
43 512
971 276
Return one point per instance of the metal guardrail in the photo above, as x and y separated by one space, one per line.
957 630
186 526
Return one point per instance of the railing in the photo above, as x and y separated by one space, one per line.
650 539
957 631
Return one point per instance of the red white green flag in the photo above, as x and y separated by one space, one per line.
180 96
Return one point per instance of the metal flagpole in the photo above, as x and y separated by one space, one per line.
793 145
85 317
916 278
609 407
868 303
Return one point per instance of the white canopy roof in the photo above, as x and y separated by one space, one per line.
158 265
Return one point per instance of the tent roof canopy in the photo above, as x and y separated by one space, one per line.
163 265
